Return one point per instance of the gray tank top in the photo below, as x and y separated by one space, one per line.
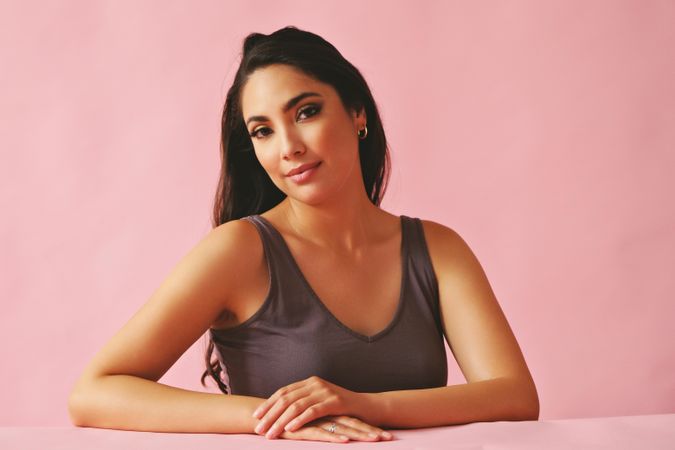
294 336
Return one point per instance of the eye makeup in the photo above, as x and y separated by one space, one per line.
310 110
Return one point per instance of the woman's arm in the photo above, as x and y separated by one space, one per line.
478 401
128 402
499 386
119 387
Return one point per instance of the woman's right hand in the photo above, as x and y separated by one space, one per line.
354 429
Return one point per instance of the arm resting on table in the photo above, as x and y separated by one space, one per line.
481 401
119 388
132 403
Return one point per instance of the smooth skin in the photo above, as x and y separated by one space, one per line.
223 281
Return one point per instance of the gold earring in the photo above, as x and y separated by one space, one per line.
365 132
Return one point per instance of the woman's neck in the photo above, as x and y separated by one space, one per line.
344 228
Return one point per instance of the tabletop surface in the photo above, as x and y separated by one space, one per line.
616 433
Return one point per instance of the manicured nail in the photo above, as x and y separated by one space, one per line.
385 434
256 413
372 435
259 428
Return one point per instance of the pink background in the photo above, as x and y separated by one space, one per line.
543 132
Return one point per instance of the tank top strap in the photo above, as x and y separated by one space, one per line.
272 242
285 285
421 274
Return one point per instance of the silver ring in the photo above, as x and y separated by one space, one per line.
331 428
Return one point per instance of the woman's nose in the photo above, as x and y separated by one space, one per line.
291 144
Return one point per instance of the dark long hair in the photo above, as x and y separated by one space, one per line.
244 188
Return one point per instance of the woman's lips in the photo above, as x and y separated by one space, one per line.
302 168
305 175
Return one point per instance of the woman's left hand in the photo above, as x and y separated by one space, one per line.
294 405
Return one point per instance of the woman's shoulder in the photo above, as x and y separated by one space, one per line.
451 255
238 236
438 233
442 240
233 247
235 250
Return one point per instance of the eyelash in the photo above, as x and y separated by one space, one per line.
316 109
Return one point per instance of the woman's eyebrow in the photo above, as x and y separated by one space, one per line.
289 104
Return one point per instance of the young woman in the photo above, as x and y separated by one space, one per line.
326 313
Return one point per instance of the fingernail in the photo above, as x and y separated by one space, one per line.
372 435
256 413
259 427
385 434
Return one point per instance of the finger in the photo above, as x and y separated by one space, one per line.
315 434
265 406
311 407
351 432
362 426
292 404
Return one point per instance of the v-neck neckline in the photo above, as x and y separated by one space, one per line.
404 269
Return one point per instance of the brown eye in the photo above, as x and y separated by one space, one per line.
255 134
310 110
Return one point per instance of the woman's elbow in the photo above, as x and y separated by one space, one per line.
532 411
529 404
75 407
524 401
79 409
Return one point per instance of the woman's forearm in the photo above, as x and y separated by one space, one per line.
482 401
126 402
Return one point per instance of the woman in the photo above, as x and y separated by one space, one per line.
326 313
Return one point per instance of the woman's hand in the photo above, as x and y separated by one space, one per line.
345 429
299 403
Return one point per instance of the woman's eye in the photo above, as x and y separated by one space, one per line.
310 110
255 134
307 111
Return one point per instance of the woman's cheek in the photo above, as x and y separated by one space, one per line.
267 164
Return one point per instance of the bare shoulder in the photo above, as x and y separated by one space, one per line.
434 230
240 252
228 249
455 264
236 238
444 243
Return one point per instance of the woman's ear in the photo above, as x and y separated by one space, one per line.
359 116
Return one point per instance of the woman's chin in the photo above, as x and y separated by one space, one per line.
309 195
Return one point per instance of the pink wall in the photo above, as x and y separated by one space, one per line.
543 132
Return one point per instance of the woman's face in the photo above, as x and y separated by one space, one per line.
295 120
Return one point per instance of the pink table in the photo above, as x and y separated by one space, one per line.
616 433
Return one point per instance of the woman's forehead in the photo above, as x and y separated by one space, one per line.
270 87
